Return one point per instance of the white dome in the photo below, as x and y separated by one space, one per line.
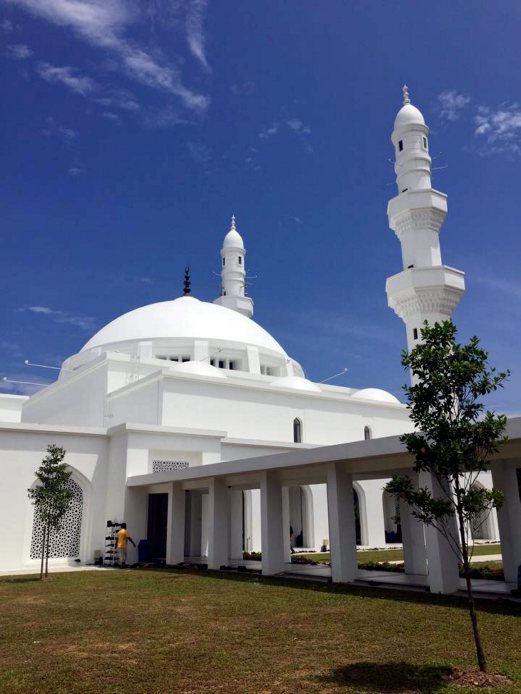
233 239
186 318
408 115
297 383
376 394
200 368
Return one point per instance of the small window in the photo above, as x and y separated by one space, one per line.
297 430
212 362
367 433
224 293
240 260
185 359
409 267
224 262
425 143
415 333
400 145
221 363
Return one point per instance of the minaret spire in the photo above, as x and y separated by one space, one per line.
426 290
187 290
233 273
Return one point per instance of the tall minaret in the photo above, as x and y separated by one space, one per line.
233 274
426 289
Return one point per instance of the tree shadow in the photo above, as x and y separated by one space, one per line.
21 579
389 677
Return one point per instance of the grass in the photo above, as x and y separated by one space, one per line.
395 554
165 631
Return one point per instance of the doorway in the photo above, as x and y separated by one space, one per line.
156 530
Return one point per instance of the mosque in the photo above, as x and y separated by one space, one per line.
191 423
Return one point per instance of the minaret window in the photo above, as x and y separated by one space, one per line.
224 262
240 260
367 433
400 145
415 333
425 143
297 430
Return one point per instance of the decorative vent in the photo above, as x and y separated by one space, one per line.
169 465
65 542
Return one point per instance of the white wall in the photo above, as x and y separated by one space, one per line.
21 453
253 413
11 407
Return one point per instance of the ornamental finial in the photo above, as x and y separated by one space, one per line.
406 98
232 228
187 289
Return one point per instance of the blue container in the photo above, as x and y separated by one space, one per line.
143 551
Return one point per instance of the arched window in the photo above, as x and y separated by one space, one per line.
66 541
367 433
297 430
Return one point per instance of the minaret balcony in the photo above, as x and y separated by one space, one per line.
421 291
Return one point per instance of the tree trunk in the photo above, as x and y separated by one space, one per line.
43 551
47 550
482 662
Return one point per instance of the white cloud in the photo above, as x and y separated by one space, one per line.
67 76
6 26
293 124
298 126
163 118
111 116
194 30
268 132
53 129
451 103
102 23
18 51
86 323
244 88
120 98
499 129
76 171
200 153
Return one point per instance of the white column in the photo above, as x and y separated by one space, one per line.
236 523
442 563
272 529
286 522
413 539
370 503
509 518
218 519
342 530
175 525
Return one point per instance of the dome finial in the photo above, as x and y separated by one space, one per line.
406 98
232 228
187 289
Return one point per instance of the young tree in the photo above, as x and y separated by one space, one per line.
454 440
51 497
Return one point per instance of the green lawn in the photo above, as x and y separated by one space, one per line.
395 554
164 631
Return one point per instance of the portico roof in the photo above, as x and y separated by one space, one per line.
375 458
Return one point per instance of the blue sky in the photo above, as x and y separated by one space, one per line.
131 131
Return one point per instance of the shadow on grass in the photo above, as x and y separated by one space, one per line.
22 579
497 606
389 677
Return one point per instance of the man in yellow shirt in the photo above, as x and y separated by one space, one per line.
122 540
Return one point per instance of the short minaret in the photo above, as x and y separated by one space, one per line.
233 274
426 290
